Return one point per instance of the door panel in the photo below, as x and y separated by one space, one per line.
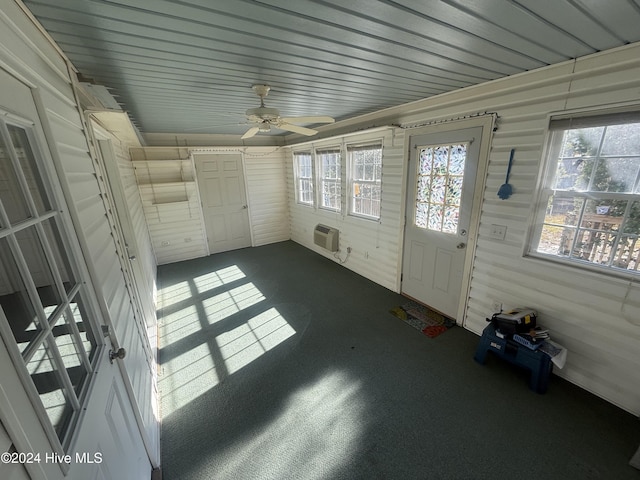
212 192
138 331
441 180
224 201
442 270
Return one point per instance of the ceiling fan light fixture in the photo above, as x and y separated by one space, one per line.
261 90
264 118
263 113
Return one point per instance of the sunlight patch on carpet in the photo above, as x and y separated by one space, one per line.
311 435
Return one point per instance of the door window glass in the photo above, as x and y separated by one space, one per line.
439 187
14 299
49 384
14 202
39 269
59 254
29 168
70 351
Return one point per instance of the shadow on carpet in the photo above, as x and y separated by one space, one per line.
421 318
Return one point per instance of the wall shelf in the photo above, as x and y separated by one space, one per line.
167 184
173 202
154 172
169 192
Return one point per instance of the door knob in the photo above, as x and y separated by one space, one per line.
244 207
461 245
119 354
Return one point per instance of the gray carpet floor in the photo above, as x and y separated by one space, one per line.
277 363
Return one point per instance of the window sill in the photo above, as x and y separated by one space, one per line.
588 268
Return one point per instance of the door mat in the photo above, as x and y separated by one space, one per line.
421 318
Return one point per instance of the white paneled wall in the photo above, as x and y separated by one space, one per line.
103 248
375 244
597 317
144 251
167 183
166 180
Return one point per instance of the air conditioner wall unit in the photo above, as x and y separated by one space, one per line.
326 237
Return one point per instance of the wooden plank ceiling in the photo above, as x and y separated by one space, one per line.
187 66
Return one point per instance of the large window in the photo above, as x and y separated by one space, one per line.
590 210
42 296
304 177
330 179
365 163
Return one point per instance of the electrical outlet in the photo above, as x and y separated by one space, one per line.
497 306
348 249
498 231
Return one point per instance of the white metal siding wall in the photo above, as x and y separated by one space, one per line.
24 46
86 196
595 316
375 244
171 224
141 337
176 228
145 256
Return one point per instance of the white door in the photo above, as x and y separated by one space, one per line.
139 342
224 201
61 397
442 175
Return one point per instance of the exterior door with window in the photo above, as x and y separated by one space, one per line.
224 201
441 181
61 399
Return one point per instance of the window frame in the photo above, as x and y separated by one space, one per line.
557 127
54 251
352 180
299 178
323 181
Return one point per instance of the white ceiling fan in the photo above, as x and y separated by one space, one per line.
265 118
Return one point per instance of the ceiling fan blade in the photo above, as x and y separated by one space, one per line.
296 129
250 133
312 119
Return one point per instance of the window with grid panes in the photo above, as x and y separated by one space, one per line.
365 164
590 207
42 296
304 177
330 178
439 182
